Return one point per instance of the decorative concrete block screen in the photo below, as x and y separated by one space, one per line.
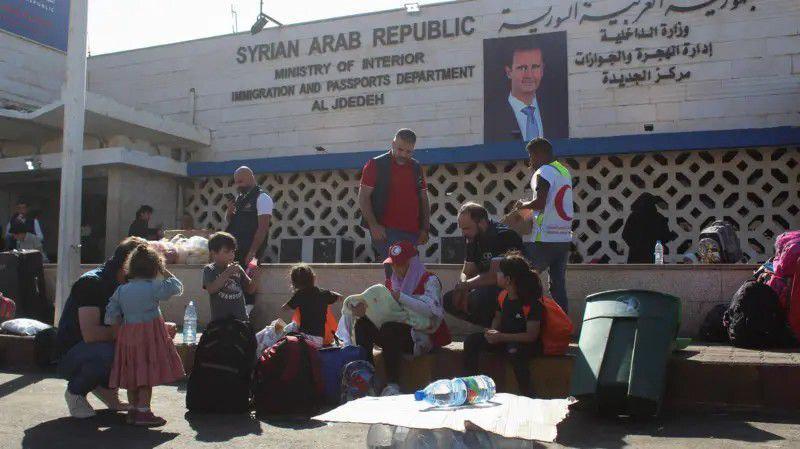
755 189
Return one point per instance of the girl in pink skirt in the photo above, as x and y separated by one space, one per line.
145 355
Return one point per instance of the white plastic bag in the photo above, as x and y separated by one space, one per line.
24 326
196 250
269 335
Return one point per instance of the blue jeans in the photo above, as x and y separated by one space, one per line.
87 366
552 257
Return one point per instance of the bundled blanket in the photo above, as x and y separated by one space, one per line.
381 308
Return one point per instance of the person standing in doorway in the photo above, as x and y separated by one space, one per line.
548 246
249 216
22 218
394 196
141 225
26 240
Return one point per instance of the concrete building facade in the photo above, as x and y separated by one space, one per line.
694 101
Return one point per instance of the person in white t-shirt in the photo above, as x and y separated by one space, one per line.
548 245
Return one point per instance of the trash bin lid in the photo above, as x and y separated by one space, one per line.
632 304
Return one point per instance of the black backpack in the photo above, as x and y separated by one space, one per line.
713 329
223 368
44 348
288 379
755 318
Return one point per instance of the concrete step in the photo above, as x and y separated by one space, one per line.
17 353
721 375
550 375
700 375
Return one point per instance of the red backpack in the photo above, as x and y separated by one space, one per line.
8 308
288 379
556 328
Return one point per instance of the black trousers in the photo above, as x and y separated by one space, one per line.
481 305
519 354
394 339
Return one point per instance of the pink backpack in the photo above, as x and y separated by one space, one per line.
785 264
785 278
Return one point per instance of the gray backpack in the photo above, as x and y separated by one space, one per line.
725 235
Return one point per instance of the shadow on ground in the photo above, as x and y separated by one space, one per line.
292 422
584 430
213 428
18 383
104 431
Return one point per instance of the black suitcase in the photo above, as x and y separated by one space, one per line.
223 368
30 288
9 275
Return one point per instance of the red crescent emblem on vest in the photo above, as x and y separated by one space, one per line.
559 203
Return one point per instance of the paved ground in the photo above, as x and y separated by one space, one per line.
33 416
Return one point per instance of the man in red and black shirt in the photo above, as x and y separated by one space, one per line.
394 196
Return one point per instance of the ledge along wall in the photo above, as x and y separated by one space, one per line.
699 286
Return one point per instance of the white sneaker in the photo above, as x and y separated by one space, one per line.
391 390
78 406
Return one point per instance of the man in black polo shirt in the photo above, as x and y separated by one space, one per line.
474 298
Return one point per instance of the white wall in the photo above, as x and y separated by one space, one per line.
129 188
30 74
752 80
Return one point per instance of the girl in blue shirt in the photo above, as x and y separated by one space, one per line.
145 355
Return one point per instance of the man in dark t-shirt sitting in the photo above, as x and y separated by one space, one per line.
84 344
474 298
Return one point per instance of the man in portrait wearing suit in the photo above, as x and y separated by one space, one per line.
529 111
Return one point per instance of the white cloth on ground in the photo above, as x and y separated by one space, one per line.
506 415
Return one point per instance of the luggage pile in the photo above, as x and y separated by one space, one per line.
22 281
183 251
765 311
24 307
289 377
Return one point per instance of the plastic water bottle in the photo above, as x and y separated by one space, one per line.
190 324
479 388
458 391
659 253
443 393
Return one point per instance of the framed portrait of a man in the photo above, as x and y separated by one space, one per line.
525 87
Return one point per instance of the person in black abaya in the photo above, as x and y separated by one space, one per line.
644 227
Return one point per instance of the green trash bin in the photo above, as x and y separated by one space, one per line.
625 342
